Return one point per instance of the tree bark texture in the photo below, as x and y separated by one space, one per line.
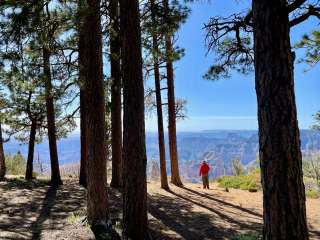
172 132
135 223
279 140
162 152
97 201
51 119
116 118
83 137
32 137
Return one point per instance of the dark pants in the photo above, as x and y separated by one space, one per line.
205 181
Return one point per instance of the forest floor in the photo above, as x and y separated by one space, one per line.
37 211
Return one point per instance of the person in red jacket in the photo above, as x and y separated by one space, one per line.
204 171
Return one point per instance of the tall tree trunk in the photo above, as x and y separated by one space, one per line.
175 175
32 138
83 132
135 220
83 103
116 118
2 157
279 140
55 171
162 152
97 201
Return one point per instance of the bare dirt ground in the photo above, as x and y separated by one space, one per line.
37 211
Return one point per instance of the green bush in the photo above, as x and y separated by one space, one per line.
252 236
243 182
15 164
312 193
252 181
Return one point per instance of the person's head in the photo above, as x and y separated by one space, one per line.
204 162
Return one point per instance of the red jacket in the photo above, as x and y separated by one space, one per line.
204 169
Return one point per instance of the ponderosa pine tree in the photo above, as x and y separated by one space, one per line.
116 115
135 219
25 115
156 66
280 155
91 48
172 132
83 104
25 109
160 21
47 38
281 165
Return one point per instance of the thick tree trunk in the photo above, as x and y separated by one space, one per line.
135 221
175 175
55 171
2 157
83 137
116 118
32 137
162 152
97 201
280 156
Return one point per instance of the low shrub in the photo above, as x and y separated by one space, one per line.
312 193
252 182
15 164
243 182
250 236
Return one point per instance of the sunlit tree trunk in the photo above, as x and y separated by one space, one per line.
279 140
162 152
175 175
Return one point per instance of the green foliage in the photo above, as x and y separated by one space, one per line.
231 40
15 164
243 182
166 25
311 44
316 126
312 193
22 183
250 236
26 29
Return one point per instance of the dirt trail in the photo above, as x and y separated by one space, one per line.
36 211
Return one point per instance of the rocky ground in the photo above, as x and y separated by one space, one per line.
37 211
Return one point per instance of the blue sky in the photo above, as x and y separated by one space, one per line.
229 103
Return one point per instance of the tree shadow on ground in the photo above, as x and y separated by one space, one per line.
314 233
30 208
21 183
45 212
223 202
178 214
35 210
